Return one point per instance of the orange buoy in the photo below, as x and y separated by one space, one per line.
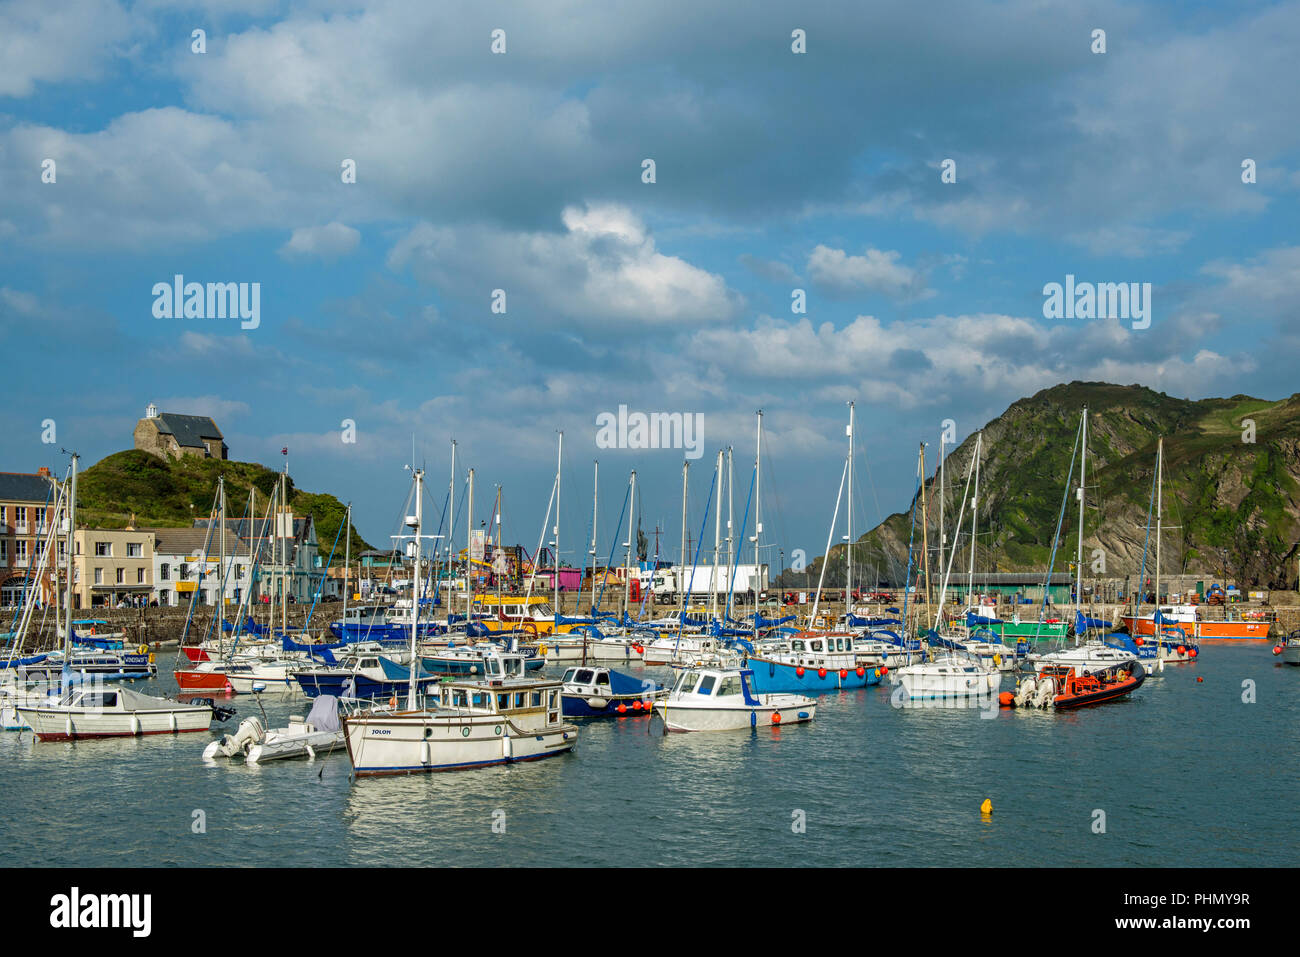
639 649
862 672
622 708
821 672
844 673
1193 652
1138 641
1006 698
1277 649
776 717
1182 649
884 669
798 672
1199 679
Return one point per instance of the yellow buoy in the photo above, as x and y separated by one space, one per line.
986 807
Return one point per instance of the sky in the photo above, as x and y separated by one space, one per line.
920 173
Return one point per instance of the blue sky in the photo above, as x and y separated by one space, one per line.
523 171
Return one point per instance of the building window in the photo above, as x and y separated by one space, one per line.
99 576
139 576
164 572
4 550
103 549
20 514
121 576
134 550
184 572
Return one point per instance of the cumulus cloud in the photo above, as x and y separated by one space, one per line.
327 243
603 267
874 271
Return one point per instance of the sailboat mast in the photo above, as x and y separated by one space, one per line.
848 578
925 538
559 466
1078 569
943 494
1160 504
627 561
72 526
469 552
415 587
687 583
595 495
347 562
974 519
714 580
731 514
758 513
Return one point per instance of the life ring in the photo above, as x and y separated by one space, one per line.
142 650
541 649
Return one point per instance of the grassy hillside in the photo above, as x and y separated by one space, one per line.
174 493
1231 505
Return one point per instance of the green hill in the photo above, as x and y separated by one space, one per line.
1231 506
174 493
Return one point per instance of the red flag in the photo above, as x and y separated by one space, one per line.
285 450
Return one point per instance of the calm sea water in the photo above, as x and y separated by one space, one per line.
1186 773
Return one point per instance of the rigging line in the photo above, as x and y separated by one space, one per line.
744 523
911 538
1065 497
612 545
690 585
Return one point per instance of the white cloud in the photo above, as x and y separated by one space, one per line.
43 42
603 267
328 242
875 271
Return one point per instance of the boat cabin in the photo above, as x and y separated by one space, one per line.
502 691
704 685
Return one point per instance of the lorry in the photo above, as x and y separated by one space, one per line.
703 581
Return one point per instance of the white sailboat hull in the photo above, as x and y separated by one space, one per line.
927 681
56 723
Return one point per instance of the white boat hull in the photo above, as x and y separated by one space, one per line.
920 682
278 746
792 709
63 724
416 742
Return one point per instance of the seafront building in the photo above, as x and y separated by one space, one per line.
26 506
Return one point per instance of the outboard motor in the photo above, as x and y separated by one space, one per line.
250 733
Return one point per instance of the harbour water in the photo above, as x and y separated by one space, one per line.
1187 773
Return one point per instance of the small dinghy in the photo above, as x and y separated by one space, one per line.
722 699
318 733
597 692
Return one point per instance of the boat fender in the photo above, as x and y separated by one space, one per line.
844 673
861 672
541 649
821 672
135 724
622 708
776 717
798 672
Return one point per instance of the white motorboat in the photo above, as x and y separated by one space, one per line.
1089 657
948 676
97 712
721 699
500 719
318 733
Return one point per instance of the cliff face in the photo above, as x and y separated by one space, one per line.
1231 491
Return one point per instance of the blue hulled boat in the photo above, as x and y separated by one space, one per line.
596 692
367 676
811 662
